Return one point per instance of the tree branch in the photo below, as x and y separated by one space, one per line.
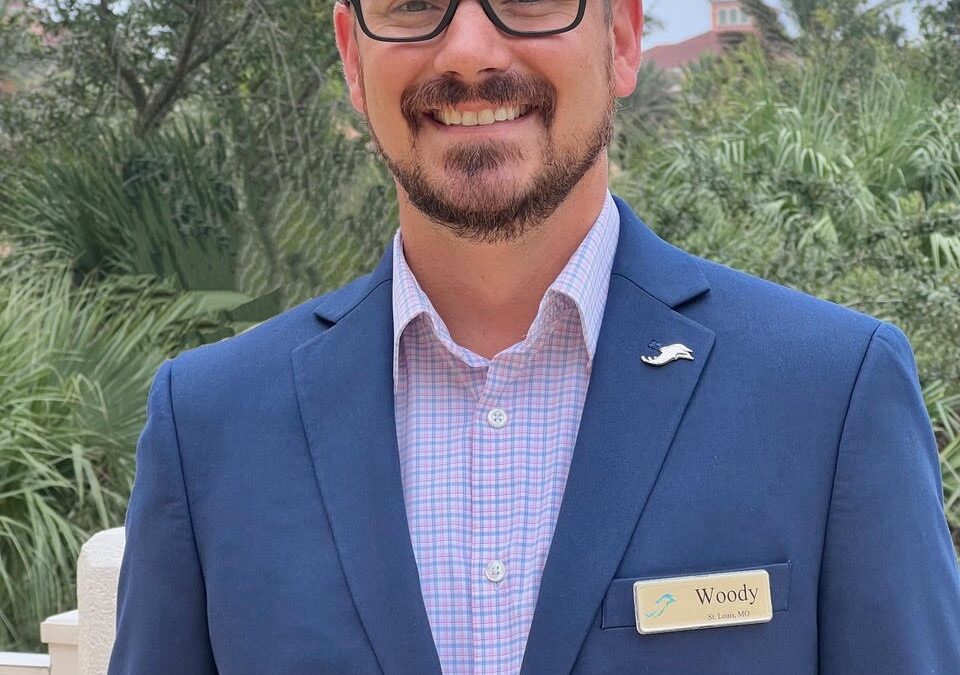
216 47
127 74
189 58
164 95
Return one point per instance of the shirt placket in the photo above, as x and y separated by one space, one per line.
495 572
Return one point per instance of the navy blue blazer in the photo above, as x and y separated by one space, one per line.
266 532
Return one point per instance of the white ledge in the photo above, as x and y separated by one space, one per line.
80 647
13 663
61 629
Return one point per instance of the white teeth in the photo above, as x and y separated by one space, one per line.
481 118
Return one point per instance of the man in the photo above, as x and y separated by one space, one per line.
465 461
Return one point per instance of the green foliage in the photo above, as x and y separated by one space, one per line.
120 205
142 55
640 116
223 205
940 25
848 190
197 208
75 363
852 34
842 186
944 410
300 159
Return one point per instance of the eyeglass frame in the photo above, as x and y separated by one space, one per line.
448 17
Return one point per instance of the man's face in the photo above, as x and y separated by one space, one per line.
489 182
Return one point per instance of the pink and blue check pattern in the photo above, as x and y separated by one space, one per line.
478 492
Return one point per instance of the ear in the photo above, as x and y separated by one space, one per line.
344 23
627 31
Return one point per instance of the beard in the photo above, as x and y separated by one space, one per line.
476 207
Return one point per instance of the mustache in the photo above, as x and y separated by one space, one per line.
498 90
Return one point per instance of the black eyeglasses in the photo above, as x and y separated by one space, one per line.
414 20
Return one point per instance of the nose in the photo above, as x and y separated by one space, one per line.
472 44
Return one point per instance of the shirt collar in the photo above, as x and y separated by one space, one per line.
585 280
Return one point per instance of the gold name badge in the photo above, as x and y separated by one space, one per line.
702 601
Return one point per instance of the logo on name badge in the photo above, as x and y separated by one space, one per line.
665 601
702 601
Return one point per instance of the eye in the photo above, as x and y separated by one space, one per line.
412 2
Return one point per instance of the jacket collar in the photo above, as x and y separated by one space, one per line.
666 272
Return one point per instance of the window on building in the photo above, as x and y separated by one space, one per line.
723 17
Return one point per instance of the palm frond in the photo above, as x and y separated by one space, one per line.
74 367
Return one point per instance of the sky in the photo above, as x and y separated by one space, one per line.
686 18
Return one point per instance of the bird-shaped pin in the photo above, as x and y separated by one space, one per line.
669 353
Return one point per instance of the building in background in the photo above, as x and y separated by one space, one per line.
729 24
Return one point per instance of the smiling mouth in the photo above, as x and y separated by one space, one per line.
454 118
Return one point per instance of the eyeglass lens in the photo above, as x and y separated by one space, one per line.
418 18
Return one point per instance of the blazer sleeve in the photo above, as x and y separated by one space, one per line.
161 606
889 596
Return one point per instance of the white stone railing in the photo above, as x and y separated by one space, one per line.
79 642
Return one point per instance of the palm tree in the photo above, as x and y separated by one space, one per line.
823 18
773 35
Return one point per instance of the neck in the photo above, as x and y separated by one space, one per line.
488 294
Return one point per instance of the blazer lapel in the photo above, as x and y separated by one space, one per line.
344 381
631 414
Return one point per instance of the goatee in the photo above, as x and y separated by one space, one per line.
499 213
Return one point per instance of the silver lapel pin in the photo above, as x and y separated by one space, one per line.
667 354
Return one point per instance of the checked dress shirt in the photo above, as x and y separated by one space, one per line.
485 447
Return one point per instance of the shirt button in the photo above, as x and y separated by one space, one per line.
495 571
497 418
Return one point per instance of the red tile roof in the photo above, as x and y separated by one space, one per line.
681 53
